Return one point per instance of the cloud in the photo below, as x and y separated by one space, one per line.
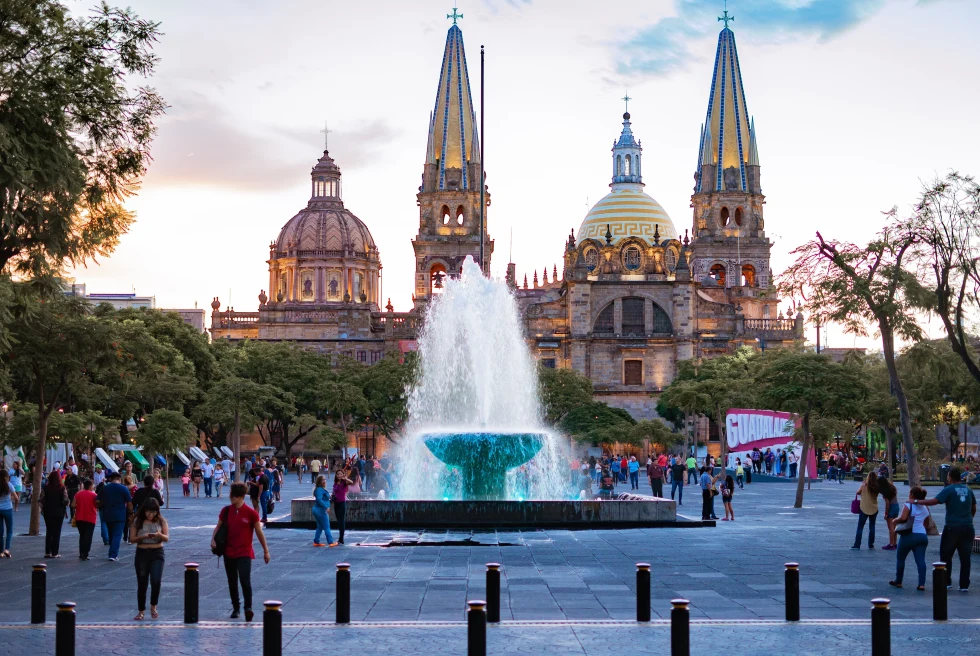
197 144
663 47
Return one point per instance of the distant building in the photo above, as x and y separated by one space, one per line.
838 354
192 317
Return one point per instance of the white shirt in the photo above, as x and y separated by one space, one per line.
98 477
219 475
919 514
227 465
74 469
208 469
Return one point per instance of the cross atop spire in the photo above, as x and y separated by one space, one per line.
455 15
725 16
627 100
326 136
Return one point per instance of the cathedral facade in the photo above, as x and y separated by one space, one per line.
634 296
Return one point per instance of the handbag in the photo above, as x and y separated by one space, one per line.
856 506
905 528
930 524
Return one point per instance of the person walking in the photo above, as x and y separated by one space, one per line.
655 472
149 531
868 493
958 531
148 491
341 484
17 476
634 470
913 536
219 479
890 495
242 524
115 502
739 473
197 477
229 468
54 501
727 491
708 492
791 458
85 518
692 470
185 481
300 462
9 500
315 465
321 506
678 472
207 470
276 480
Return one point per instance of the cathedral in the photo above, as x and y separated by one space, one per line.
634 296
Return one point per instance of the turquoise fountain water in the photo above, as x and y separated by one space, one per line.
475 429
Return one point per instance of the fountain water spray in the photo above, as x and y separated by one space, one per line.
474 414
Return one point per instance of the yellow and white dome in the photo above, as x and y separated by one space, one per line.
628 212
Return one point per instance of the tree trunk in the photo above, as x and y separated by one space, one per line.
166 478
343 427
911 456
890 450
804 459
720 418
237 445
37 477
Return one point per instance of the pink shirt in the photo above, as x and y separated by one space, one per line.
340 492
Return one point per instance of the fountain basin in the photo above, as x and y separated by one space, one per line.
484 458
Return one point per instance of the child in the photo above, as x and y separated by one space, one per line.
185 479
739 473
219 478
727 490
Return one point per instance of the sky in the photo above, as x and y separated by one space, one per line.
857 103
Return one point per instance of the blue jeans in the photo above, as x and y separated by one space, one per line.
6 521
862 518
105 529
635 480
916 543
115 537
322 525
264 504
692 476
207 486
675 485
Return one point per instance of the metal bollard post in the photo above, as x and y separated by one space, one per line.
39 579
64 629
643 592
192 579
680 628
343 593
792 592
272 629
493 592
881 632
940 611
476 628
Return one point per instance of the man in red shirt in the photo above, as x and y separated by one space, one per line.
242 523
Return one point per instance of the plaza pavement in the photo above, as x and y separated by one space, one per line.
562 578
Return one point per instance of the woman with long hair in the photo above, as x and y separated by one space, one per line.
341 484
727 490
868 493
148 532
86 516
53 500
9 500
197 477
890 494
321 505
914 538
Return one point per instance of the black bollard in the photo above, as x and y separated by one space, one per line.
192 580
940 611
881 632
792 592
272 629
64 629
680 628
476 628
493 592
643 592
343 593
39 578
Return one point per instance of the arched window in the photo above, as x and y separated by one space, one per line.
670 257
723 218
718 273
738 216
629 161
748 275
445 215
632 258
437 279
606 323
661 321
591 258
633 320
459 215
619 164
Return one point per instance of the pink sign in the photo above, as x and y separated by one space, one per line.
749 429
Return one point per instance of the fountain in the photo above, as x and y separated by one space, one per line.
475 450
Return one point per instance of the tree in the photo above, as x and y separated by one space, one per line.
384 386
165 432
561 391
688 397
57 348
657 432
857 286
596 423
344 402
809 385
947 254
75 130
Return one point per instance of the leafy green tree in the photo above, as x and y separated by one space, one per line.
75 127
561 391
58 348
344 403
689 398
808 385
384 386
861 286
165 432
657 432
596 423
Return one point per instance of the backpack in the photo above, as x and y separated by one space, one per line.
221 538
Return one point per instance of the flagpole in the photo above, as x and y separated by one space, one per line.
483 182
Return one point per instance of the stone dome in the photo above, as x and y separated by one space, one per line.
629 213
326 231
